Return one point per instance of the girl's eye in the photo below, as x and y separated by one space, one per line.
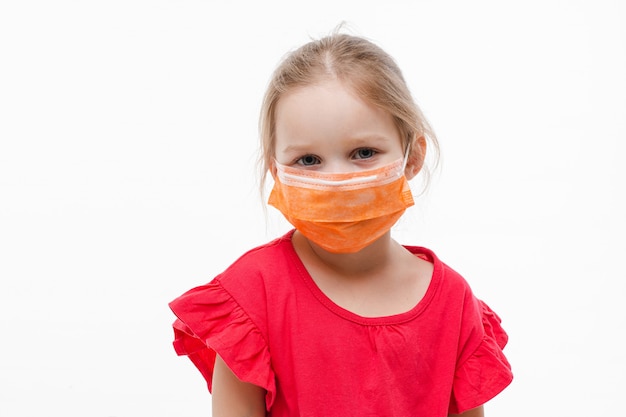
308 160
364 153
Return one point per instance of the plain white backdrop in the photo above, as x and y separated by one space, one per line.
127 176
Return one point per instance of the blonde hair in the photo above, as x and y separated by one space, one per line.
364 66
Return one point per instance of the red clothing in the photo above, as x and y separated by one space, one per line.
275 328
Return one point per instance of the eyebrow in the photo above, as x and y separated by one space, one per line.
295 148
367 139
370 140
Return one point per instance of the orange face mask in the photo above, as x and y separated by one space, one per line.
345 212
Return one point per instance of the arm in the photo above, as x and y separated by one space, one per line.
234 398
474 412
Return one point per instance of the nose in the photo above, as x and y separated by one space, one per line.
338 165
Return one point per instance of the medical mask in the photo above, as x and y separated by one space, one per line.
342 212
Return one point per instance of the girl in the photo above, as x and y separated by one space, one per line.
335 318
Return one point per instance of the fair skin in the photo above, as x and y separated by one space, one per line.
326 127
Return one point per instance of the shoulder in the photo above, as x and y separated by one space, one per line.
239 293
259 263
263 272
444 276
450 298
465 313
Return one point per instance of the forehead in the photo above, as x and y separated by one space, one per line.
329 110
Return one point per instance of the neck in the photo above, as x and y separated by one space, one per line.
368 260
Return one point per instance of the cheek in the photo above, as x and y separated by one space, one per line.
269 162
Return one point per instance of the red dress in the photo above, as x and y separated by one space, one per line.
275 328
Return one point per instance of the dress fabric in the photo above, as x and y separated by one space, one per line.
275 328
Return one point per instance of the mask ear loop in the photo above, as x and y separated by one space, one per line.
406 157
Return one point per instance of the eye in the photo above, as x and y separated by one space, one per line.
308 160
364 153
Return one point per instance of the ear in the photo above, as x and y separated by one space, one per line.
415 161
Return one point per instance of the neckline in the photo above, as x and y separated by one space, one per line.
379 320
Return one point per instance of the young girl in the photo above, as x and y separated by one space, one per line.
335 318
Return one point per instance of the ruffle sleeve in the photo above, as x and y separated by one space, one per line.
209 322
486 372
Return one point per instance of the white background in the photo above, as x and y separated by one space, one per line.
127 149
